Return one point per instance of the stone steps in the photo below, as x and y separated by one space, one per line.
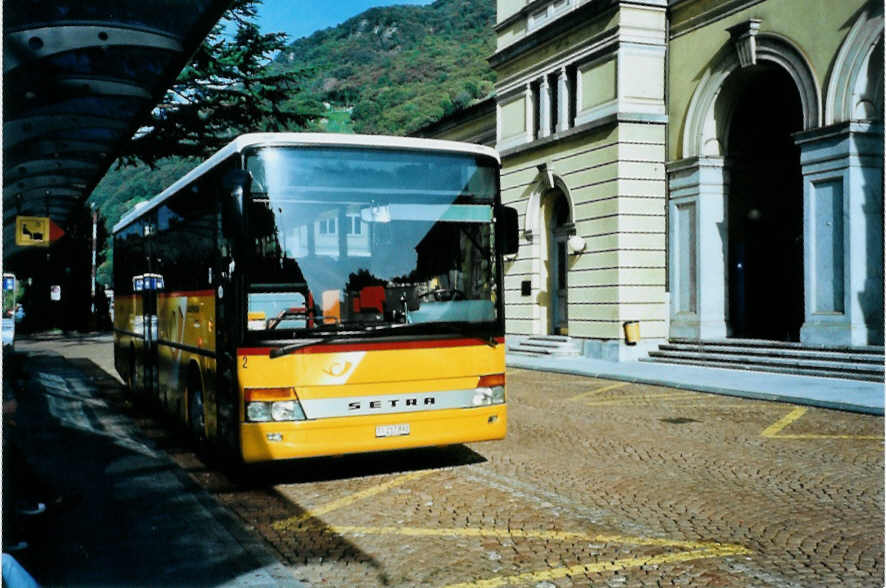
547 346
857 363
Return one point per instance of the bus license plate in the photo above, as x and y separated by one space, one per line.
392 430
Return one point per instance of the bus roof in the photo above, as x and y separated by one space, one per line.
302 139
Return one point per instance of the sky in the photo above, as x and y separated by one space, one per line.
301 18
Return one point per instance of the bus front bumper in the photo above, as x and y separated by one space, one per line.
360 434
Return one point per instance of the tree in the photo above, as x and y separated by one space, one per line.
225 90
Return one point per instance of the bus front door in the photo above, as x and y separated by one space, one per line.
229 305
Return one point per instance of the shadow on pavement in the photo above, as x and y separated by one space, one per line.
139 508
322 469
129 516
305 538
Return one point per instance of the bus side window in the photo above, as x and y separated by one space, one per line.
129 257
186 240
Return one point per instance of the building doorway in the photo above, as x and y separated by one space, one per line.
765 206
561 228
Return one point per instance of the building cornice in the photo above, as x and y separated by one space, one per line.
839 130
520 14
720 11
576 19
588 127
476 111
604 42
693 163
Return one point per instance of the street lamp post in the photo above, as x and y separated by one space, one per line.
94 234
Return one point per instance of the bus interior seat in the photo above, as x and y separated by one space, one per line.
372 297
331 300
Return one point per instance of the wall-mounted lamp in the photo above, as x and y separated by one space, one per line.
545 176
576 244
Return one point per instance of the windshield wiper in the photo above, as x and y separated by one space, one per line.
292 347
449 328
379 331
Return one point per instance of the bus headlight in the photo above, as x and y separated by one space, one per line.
289 410
272 404
258 412
490 390
263 412
489 396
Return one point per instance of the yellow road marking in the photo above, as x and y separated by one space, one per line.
348 500
697 550
868 437
774 430
529 534
599 390
642 397
606 566
776 427
681 396
713 404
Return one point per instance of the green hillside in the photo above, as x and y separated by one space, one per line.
397 68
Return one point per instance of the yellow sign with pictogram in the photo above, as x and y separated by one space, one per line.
39 231
32 231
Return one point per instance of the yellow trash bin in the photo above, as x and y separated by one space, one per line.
632 332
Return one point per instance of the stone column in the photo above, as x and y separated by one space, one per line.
498 127
544 106
698 248
529 112
564 98
843 234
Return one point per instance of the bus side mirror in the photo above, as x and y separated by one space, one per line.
235 189
507 230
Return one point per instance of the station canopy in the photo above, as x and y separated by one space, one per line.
79 78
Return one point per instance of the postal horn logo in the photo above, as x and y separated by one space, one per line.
338 367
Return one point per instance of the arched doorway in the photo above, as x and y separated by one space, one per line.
560 227
765 205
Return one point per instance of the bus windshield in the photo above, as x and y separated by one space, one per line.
349 242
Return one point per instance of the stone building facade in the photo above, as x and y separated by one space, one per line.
708 168
775 170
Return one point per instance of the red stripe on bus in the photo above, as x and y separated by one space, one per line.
342 347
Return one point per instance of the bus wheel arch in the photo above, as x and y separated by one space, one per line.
194 393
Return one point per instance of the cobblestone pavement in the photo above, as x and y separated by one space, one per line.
598 483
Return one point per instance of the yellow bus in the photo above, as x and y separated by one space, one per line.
302 295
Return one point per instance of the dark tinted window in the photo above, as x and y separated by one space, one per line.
184 246
129 257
